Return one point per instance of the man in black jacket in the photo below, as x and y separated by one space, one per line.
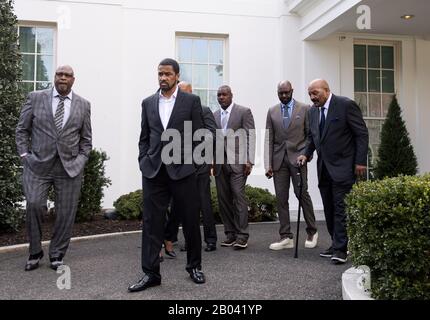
340 136
168 111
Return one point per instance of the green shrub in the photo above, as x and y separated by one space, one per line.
11 98
94 181
262 205
129 206
389 231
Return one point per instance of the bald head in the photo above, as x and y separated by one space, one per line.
319 91
285 92
185 86
64 79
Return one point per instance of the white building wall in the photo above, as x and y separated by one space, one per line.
115 47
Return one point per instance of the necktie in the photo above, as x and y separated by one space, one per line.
59 114
286 116
322 121
224 121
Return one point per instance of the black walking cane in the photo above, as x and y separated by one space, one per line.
300 205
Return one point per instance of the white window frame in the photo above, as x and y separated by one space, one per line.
53 26
205 36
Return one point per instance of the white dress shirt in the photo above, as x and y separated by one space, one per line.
165 107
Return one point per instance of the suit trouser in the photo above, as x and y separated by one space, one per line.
157 194
233 205
281 179
333 196
209 228
67 192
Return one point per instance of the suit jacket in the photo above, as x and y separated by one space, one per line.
344 140
240 118
210 124
37 135
187 108
291 140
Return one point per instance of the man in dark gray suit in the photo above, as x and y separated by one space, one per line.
171 110
287 127
53 138
233 165
340 136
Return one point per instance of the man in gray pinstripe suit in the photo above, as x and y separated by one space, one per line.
53 138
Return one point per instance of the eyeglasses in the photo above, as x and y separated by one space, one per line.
64 74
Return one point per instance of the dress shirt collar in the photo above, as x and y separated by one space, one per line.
55 94
173 96
327 103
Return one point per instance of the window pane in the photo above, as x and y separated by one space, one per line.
360 84
213 102
45 40
361 100
200 50
44 68
386 101
359 56
216 51
375 105
374 81
374 127
43 85
215 77
27 39
203 94
374 56
28 67
185 72
200 76
185 50
388 57
387 81
27 86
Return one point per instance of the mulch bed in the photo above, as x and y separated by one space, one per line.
99 225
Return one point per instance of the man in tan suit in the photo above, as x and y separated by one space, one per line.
287 128
233 164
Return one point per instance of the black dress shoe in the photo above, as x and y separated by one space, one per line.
144 283
197 276
33 261
56 262
210 247
170 254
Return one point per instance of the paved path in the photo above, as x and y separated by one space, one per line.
103 268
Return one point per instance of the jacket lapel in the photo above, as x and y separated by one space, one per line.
47 104
232 116
217 116
73 109
330 115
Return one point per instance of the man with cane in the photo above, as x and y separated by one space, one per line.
286 134
340 136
